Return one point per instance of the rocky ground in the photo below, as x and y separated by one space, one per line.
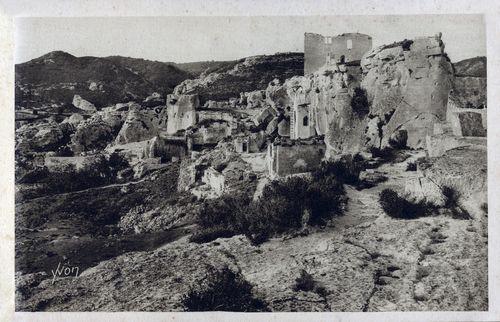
364 260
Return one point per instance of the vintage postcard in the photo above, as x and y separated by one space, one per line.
251 163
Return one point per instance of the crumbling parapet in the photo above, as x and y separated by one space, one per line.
320 50
286 156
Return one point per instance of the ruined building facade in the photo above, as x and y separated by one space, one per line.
320 50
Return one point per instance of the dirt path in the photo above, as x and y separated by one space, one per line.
125 184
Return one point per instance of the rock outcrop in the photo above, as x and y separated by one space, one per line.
82 104
247 75
407 85
92 134
141 124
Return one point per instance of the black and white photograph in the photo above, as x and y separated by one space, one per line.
251 163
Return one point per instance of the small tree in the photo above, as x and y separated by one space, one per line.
359 102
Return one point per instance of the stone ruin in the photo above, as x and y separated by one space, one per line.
345 48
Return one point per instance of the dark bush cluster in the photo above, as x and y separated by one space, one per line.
284 206
345 170
411 166
451 202
306 283
359 102
223 290
399 207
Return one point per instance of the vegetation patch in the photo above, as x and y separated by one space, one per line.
359 102
284 206
398 207
223 290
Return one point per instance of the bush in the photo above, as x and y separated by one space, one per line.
451 201
345 170
411 166
359 102
398 207
326 198
223 290
285 205
385 153
305 282
451 197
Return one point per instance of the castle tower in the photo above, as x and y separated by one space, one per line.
345 48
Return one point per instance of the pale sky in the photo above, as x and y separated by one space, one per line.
187 39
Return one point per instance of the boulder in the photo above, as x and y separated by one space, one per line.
141 124
83 104
92 134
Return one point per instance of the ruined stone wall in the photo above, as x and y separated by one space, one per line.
314 52
181 111
294 157
466 121
166 149
318 49
303 122
206 116
215 180
351 45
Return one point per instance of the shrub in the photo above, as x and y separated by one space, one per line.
451 201
305 282
345 170
359 102
326 199
398 207
281 208
385 153
223 290
451 197
411 166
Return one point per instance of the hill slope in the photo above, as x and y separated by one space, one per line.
474 67
56 77
248 74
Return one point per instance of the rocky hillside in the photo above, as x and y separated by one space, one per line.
473 67
206 67
249 74
363 261
57 77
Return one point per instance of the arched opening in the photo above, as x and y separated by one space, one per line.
244 147
342 59
305 121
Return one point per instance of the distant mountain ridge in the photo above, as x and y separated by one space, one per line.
473 67
56 77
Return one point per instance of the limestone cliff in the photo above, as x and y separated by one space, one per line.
398 92
141 124
407 85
